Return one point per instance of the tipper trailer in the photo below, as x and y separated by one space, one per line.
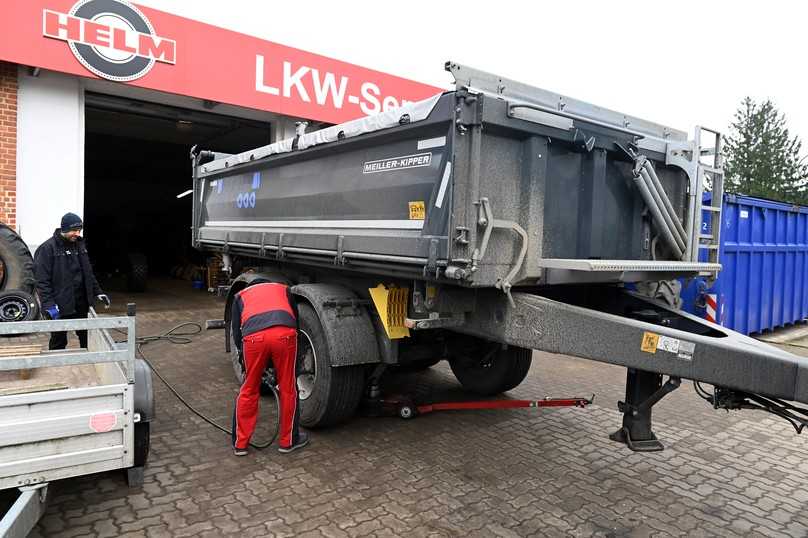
481 224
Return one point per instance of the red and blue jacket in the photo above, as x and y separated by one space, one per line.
260 307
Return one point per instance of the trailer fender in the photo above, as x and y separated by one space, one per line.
346 322
144 392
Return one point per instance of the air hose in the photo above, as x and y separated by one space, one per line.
176 336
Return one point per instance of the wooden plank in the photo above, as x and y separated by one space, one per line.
33 388
69 376
23 350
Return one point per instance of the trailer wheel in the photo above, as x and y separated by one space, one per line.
142 443
493 371
328 394
16 263
135 474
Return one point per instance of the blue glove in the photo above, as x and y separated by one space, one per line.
104 298
52 312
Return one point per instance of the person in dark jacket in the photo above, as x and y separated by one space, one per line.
264 324
65 280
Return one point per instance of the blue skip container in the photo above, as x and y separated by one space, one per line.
763 284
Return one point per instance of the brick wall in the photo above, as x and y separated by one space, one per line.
8 144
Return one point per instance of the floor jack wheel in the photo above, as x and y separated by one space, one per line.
407 412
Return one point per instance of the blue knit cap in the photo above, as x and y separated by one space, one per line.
71 221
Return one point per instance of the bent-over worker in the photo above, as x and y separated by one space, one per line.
264 324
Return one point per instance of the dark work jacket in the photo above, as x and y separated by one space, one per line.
260 307
58 265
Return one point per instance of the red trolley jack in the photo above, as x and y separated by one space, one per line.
406 408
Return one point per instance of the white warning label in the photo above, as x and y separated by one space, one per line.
680 348
686 350
666 343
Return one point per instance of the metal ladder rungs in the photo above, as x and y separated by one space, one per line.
706 236
709 247
710 208
712 170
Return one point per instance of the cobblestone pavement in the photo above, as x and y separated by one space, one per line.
482 473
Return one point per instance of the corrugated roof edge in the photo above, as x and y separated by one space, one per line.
417 111
758 201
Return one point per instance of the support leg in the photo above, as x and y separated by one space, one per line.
643 391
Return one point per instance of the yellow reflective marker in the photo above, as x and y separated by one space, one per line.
649 342
417 210
391 304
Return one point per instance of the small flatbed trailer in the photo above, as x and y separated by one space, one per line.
69 413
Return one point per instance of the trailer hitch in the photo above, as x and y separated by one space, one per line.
724 398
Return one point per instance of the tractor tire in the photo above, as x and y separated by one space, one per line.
138 273
17 305
16 262
497 371
328 394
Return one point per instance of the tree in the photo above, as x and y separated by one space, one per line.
762 158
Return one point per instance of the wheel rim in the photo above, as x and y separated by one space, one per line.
306 366
14 308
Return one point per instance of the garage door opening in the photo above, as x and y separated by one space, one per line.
136 164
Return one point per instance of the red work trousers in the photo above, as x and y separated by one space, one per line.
278 344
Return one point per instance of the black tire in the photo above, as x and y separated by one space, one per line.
417 366
494 371
335 391
238 369
142 443
17 262
138 273
17 305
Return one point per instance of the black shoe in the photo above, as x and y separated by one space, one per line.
239 451
302 440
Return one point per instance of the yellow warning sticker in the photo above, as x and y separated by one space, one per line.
417 210
649 342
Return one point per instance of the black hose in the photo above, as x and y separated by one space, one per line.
181 338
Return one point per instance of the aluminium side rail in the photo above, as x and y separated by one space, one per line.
69 357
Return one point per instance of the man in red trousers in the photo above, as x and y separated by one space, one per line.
264 325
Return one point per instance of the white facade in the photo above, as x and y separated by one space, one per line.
50 152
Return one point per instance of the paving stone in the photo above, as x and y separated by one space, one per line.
549 472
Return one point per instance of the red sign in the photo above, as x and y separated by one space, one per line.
143 47
103 422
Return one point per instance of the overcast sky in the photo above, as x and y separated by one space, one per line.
679 63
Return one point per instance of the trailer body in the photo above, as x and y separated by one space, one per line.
499 211
407 191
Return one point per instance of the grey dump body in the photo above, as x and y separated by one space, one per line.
526 208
